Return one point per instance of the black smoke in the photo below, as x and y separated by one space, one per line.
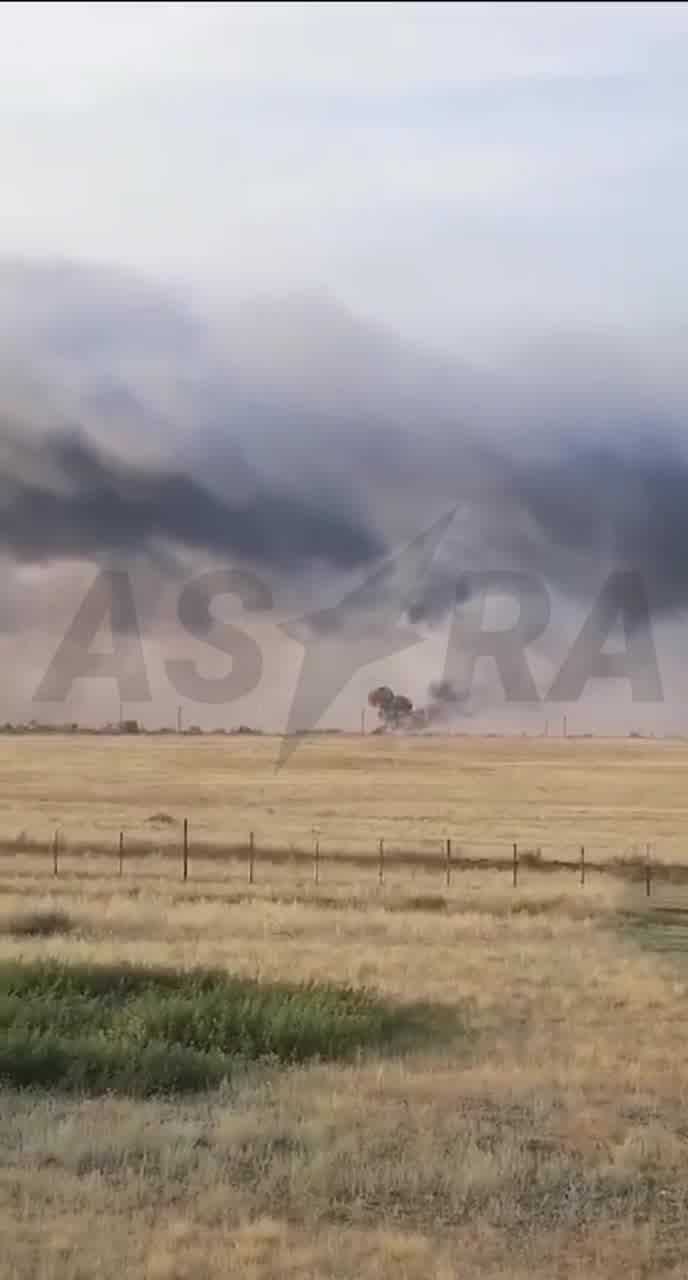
62 497
620 503
396 710
570 515
573 468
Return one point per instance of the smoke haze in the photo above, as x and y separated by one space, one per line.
298 441
62 498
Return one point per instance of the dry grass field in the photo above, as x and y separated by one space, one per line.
413 792
533 1121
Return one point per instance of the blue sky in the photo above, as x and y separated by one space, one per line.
469 174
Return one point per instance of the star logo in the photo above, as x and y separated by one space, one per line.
339 641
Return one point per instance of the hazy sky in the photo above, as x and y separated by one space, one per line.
503 183
466 172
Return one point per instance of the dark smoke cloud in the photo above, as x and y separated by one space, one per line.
566 465
63 498
447 702
569 515
621 503
445 699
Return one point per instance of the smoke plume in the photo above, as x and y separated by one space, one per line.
305 443
63 498
396 711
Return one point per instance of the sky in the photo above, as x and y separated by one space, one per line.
472 174
282 286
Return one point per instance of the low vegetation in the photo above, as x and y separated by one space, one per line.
144 1031
36 924
343 1080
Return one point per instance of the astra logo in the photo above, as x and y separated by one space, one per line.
369 624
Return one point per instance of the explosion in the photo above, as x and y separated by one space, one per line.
396 711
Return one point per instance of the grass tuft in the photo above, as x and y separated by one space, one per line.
37 924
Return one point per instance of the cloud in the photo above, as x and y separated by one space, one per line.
461 172
61 498
309 441
298 441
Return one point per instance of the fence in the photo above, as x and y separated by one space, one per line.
449 862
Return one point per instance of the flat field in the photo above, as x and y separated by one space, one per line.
530 1120
613 796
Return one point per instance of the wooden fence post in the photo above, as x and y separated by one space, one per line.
121 851
447 876
251 851
381 862
515 865
582 864
185 863
55 852
316 863
648 872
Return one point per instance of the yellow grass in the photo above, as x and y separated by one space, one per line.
414 792
540 1129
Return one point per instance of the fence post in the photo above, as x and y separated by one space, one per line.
55 851
515 866
316 863
582 864
121 851
381 862
648 872
251 852
185 871
449 863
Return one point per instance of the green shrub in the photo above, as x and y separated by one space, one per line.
132 1030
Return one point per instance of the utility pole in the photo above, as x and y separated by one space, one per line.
362 721
179 719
